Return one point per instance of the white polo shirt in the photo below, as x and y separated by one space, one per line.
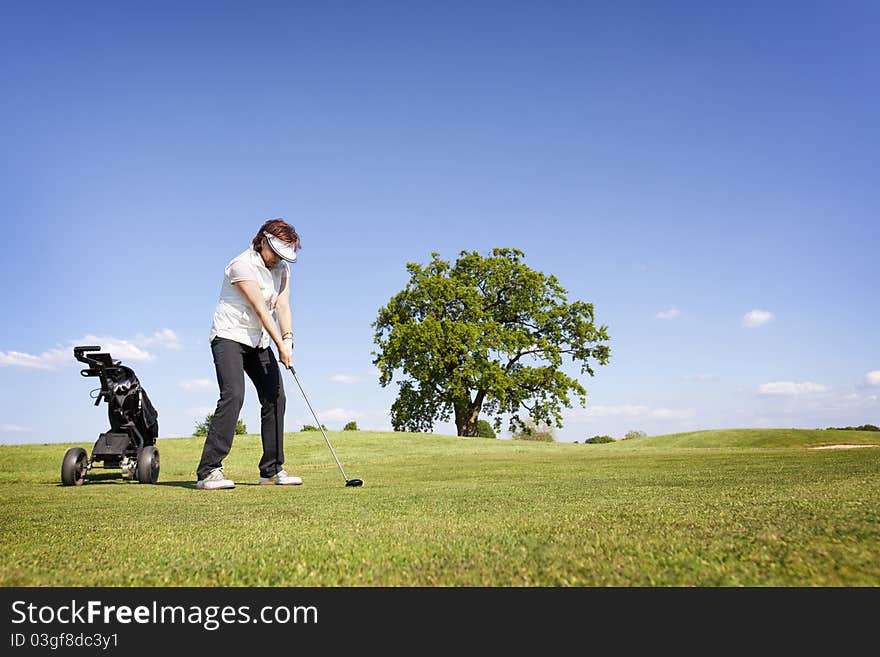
234 317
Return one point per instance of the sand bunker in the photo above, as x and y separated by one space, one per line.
843 446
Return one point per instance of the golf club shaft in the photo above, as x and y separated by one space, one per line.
320 426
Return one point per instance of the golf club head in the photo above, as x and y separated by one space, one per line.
354 482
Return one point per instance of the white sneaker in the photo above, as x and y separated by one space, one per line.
280 478
215 481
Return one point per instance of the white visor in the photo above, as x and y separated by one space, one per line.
284 250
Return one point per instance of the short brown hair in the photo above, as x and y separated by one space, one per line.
280 229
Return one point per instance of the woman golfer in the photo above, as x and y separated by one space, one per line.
256 283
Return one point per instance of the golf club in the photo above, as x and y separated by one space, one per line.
348 482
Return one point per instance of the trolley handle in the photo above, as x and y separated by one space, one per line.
97 367
78 353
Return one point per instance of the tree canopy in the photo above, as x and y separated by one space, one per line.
485 334
201 428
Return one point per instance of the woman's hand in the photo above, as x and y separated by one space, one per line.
285 354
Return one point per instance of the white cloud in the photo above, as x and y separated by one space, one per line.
166 338
629 410
46 361
791 388
614 411
120 349
57 357
702 377
339 415
195 384
872 378
344 378
14 428
201 411
756 318
671 414
668 314
124 350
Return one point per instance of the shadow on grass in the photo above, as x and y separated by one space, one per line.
177 484
192 484
104 479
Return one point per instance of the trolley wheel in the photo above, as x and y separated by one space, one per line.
73 467
148 465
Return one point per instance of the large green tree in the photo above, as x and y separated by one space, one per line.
485 334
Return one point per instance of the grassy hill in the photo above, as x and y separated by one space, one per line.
743 507
761 438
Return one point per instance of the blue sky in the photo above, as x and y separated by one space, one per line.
706 175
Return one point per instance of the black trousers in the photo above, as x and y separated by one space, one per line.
231 360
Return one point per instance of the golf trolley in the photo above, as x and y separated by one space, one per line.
130 444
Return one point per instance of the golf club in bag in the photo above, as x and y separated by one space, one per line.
348 482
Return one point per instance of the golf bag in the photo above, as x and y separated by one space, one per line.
130 443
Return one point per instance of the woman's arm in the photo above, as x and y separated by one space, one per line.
252 293
282 308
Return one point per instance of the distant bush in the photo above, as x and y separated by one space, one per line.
203 426
351 426
630 435
596 440
312 427
484 429
538 432
864 427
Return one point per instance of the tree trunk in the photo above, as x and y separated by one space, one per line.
467 413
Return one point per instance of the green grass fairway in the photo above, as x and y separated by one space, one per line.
733 508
